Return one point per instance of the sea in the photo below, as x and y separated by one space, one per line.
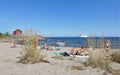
78 41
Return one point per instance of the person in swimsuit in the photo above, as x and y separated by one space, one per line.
73 51
107 47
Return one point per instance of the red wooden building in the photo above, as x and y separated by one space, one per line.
17 32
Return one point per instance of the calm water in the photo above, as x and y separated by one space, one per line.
78 41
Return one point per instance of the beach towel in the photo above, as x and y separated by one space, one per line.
58 53
62 53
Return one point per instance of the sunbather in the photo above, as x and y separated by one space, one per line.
74 51
81 51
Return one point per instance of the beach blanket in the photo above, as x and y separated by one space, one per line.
62 53
58 53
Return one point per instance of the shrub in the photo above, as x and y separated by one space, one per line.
30 52
116 56
97 59
113 71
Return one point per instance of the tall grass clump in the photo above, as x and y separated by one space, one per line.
91 41
97 59
116 56
95 41
101 41
30 52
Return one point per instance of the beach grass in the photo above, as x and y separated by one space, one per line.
116 56
113 71
30 52
97 59
96 43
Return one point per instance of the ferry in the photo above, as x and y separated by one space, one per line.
83 35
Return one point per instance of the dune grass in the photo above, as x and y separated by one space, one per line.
30 52
97 59
113 71
96 43
116 56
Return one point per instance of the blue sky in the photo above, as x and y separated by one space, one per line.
61 17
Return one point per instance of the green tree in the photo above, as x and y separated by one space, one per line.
6 34
1 35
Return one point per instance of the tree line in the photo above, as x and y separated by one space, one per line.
4 34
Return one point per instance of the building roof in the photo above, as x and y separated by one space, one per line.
18 30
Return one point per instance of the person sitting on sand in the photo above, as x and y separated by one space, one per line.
73 51
45 46
107 47
49 48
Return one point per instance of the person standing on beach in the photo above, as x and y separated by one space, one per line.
107 47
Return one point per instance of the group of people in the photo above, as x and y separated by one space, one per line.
47 47
80 51
84 49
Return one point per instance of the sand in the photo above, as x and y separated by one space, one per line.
9 66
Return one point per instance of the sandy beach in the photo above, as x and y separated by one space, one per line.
9 66
60 37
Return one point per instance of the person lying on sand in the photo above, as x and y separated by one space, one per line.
81 51
47 47
74 51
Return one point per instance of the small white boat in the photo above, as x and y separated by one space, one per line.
83 35
60 43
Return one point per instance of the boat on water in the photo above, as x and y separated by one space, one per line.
60 43
83 35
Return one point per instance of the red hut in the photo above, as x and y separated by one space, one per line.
17 32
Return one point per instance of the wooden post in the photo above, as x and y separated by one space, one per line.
36 41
